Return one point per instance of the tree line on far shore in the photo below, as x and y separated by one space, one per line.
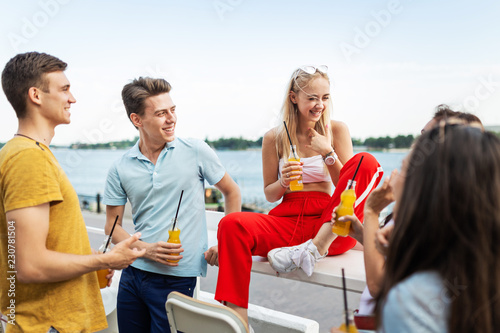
240 143
124 144
400 141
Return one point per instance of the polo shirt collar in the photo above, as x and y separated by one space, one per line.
135 152
171 144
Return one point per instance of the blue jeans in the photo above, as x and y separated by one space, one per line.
142 296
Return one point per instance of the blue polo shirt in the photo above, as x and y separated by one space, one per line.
154 192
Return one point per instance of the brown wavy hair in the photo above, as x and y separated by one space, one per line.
448 221
444 112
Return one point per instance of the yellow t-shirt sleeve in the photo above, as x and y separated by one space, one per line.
30 179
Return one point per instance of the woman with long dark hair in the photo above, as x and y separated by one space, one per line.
443 263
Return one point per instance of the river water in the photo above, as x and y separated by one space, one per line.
87 169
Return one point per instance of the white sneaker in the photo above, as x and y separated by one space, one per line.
288 259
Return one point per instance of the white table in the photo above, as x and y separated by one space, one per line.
327 271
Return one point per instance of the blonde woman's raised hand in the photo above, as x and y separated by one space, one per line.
321 144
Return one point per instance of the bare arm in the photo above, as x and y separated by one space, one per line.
343 148
342 141
232 198
119 233
37 264
374 260
159 252
273 189
231 192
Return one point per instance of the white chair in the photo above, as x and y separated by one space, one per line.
189 315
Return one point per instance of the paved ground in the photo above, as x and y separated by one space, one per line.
315 302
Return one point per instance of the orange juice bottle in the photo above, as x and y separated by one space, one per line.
101 274
352 326
347 199
295 185
174 237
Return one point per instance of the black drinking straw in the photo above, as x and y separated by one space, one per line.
355 172
111 233
345 302
177 212
289 139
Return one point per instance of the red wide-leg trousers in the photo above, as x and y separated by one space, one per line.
295 220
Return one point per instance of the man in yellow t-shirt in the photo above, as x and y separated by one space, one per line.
48 281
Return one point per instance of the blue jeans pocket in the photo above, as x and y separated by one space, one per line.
184 285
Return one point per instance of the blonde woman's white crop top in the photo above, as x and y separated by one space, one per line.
314 169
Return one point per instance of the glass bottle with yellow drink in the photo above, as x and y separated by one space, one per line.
174 237
346 207
296 184
102 273
352 327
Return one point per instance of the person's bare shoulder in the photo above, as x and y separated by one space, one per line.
270 136
340 131
339 126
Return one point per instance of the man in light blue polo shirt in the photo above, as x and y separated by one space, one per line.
152 176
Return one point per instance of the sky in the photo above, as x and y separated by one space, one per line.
229 61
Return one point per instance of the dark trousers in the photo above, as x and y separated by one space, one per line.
142 296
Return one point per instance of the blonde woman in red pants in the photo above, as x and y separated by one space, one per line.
297 230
